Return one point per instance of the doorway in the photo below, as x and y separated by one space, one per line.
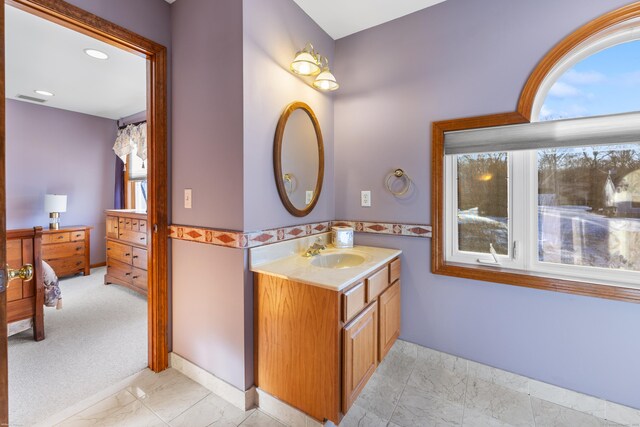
81 21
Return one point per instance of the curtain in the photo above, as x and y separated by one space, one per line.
118 198
130 137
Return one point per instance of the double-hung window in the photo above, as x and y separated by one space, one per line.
556 199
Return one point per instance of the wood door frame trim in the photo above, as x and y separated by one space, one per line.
521 115
94 26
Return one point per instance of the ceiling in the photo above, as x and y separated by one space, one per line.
41 55
340 18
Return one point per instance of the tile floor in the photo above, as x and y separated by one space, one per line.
414 386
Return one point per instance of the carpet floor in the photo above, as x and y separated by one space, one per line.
97 339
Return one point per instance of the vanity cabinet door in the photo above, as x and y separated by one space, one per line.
389 318
360 354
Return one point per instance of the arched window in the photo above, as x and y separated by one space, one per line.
549 196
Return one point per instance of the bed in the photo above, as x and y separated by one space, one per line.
25 299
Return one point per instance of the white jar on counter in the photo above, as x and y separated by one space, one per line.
342 236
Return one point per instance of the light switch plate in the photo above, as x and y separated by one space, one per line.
187 198
309 197
365 199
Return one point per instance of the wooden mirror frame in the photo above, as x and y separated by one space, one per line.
523 114
277 158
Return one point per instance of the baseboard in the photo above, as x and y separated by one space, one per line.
241 399
99 264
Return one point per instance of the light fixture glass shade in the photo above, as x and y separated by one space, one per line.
305 64
326 81
55 203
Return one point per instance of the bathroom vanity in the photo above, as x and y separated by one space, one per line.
323 323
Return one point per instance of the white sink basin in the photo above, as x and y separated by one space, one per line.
338 260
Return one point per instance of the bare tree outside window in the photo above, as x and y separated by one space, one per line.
483 203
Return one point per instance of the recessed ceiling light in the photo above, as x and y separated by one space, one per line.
97 54
43 92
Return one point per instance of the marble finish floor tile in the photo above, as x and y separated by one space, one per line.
436 379
399 362
169 393
547 414
498 376
211 411
489 404
260 419
380 396
417 408
437 359
122 409
570 399
360 417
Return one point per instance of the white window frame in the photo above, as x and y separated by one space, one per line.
523 229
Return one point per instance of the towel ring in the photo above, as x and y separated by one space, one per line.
289 182
401 175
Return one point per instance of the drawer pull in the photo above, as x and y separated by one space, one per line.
127 254
78 248
108 249
60 237
78 235
135 256
135 277
142 238
79 262
127 274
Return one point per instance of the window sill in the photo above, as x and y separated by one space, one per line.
537 281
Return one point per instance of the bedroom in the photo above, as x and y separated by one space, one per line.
65 111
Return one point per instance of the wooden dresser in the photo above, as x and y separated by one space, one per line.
127 236
67 250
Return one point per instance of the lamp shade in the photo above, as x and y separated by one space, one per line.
305 64
55 203
326 81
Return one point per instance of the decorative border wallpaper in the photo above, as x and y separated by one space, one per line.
251 239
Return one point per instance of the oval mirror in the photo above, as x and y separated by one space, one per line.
298 159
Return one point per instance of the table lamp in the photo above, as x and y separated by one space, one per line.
54 204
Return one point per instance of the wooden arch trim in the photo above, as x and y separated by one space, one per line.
523 113
562 49
77 19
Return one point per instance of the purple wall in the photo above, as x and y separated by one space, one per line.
456 59
274 30
56 151
208 282
207 112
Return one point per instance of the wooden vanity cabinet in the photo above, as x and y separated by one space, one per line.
127 236
316 349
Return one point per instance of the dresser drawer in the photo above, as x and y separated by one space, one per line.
120 270
119 252
133 237
142 225
376 283
134 224
139 278
62 250
140 258
48 238
353 301
77 236
67 266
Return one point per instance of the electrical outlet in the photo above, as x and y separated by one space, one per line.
187 198
365 199
309 197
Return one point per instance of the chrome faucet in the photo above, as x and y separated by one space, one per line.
315 248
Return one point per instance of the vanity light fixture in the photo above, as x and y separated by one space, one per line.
43 92
97 54
308 62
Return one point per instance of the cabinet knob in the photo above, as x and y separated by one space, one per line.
108 249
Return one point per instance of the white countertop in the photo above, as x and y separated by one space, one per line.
300 269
